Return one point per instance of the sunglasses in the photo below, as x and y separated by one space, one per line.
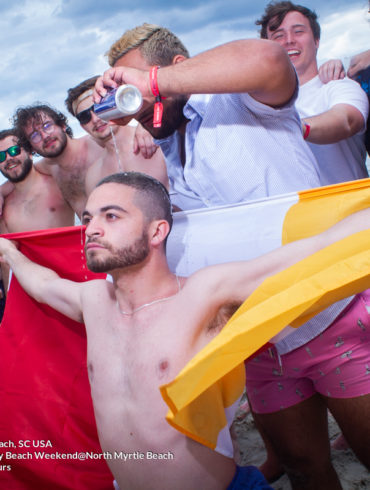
13 151
84 117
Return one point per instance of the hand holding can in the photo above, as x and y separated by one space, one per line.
119 102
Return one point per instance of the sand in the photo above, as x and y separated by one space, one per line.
353 475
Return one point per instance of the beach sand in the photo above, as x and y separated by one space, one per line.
353 475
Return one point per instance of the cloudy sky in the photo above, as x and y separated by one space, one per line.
48 46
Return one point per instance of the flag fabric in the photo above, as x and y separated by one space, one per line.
44 390
204 396
47 422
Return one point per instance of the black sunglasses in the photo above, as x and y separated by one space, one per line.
84 117
13 151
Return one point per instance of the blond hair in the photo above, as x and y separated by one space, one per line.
157 45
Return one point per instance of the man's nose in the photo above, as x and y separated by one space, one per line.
93 228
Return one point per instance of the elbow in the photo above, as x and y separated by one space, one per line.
280 76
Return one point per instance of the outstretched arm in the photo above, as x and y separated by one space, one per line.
256 66
43 284
234 282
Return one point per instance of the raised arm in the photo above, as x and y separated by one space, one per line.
234 282
43 284
256 66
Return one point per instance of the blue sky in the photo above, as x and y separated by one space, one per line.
48 46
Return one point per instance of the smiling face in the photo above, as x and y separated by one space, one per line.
296 37
45 136
18 167
116 231
173 115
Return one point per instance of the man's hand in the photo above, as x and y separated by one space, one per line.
143 142
114 77
359 63
331 70
6 247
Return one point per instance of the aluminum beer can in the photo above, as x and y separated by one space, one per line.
119 102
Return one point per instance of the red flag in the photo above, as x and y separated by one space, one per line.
46 413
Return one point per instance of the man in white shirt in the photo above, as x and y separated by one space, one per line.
334 114
288 400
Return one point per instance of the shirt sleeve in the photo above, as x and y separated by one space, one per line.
348 91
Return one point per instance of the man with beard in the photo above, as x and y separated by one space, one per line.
128 218
44 130
35 201
117 141
242 143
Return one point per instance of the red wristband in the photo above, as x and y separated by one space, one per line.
306 131
158 106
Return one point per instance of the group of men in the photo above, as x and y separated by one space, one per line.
244 142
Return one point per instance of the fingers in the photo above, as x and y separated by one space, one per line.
331 70
110 79
339 71
144 144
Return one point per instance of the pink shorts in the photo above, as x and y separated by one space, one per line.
336 364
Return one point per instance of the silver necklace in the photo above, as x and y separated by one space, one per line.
130 313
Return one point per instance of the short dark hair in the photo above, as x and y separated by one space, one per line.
151 197
8 132
24 114
75 92
278 11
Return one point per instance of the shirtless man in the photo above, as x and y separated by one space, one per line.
35 201
45 131
146 306
80 104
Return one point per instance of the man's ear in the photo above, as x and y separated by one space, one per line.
158 231
178 59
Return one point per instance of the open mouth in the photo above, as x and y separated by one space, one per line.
293 52
12 165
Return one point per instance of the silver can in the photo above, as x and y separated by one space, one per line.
119 102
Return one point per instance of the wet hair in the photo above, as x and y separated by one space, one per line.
75 92
157 45
151 196
24 115
276 12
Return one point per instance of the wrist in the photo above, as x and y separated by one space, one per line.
158 106
306 130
